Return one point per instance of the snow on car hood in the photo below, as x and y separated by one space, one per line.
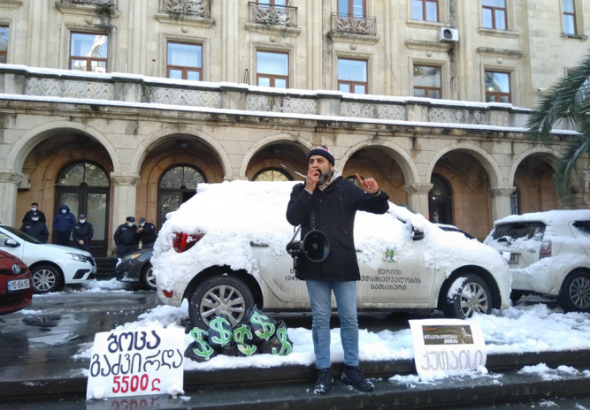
232 215
555 218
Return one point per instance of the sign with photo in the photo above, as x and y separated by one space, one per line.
447 345
136 362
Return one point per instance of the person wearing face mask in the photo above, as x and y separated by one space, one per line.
63 225
126 237
36 228
83 233
34 208
147 234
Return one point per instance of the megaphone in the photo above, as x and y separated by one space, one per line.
315 246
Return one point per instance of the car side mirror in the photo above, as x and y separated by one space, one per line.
12 243
417 234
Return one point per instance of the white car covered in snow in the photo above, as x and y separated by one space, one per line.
548 254
225 250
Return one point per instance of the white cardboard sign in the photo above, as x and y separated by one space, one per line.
136 362
450 346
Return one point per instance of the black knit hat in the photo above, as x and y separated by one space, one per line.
323 151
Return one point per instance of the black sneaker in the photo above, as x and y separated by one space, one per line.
324 382
353 376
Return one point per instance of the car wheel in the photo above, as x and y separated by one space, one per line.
467 295
225 296
147 278
575 294
46 279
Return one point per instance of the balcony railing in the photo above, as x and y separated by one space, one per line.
272 15
349 24
109 3
197 8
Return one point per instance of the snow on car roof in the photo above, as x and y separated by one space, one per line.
233 215
555 217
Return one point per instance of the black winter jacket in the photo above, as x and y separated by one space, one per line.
125 235
36 229
335 208
83 232
148 234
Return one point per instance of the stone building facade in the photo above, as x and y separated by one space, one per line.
111 132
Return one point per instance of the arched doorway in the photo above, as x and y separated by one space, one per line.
440 201
84 187
177 185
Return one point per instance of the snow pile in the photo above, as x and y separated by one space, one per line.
547 373
232 215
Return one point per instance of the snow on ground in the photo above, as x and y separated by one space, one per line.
526 327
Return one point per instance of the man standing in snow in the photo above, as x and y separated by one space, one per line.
329 203
83 233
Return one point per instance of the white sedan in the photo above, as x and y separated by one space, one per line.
225 250
51 266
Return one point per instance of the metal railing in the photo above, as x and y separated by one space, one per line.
349 24
272 15
197 8
109 3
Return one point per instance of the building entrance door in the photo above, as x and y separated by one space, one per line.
84 188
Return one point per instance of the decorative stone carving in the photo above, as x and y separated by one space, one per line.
193 7
457 116
501 192
177 96
281 104
51 87
378 111
125 180
418 188
10 177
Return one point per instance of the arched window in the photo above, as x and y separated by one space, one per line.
177 185
272 174
440 201
84 187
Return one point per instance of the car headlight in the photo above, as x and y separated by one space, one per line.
131 256
77 257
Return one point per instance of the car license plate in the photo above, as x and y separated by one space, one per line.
19 284
513 258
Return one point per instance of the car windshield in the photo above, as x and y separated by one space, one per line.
22 235
583 226
527 230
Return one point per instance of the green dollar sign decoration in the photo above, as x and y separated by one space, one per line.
225 335
247 350
268 328
199 334
285 345
241 333
203 349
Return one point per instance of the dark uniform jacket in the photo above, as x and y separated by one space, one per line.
148 234
125 235
335 208
83 232
64 222
36 229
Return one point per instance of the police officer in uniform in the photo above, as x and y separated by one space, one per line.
36 228
83 233
126 237
147 234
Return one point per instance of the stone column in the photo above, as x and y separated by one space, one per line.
124 198
9 181
500 201
418 197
